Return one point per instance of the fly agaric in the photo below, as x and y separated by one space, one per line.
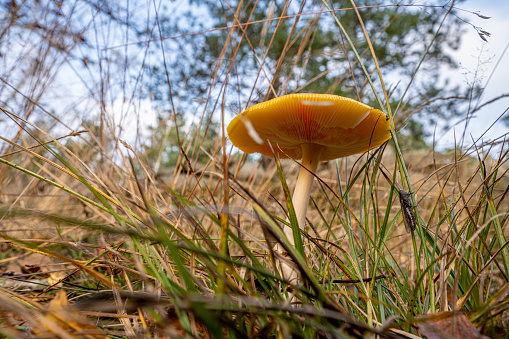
311 127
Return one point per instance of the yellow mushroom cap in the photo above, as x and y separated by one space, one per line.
342 125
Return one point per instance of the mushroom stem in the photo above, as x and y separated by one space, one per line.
310 158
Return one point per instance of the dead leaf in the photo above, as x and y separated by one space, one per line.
56 277
445 325
62 317
24 285
12 268
36 260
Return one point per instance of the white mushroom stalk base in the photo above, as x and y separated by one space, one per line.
310 158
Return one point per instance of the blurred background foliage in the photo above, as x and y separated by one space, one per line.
140 72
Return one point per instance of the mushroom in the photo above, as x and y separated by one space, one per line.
311 127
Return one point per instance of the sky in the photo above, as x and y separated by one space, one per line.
491 60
